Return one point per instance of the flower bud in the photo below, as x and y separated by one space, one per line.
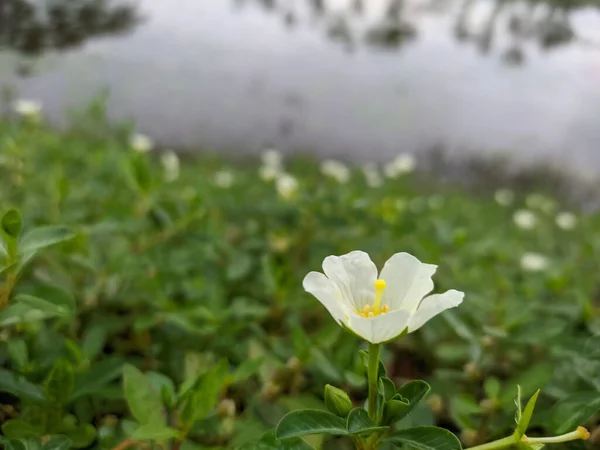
337 401
436 403
468 437
226 408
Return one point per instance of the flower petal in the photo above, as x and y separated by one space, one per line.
355 275
433 305
327 293
408 280
380 328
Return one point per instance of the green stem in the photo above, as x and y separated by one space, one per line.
496 445
372 372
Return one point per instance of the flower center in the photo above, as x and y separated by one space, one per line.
377 308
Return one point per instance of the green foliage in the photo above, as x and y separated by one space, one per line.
172 312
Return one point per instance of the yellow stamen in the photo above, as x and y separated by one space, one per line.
370 315
379 287
385 308
366 309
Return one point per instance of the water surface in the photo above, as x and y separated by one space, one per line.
358 80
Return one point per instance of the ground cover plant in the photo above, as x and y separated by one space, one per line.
151 302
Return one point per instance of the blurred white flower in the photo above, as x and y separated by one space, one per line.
534 262
525 219
372 176
272 165
170 162
541 202
224 179
504 197
403 163
272 158
141 143
286 185
379 308
335 170
27 108
566 220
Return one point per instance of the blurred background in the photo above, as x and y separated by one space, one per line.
180 166
354 79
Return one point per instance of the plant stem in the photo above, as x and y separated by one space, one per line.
372 372
496 445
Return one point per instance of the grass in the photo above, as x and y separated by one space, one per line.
172 276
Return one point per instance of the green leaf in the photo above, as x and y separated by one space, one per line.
575 410
310 421
21 444
27 308
268 442
19 429
155 432
98 376
359 422
19 354
45 236
57 296
60 382
519 406
203 396
12 223
394 410
337 401
82 436
58 442
245 370
20 387
163 384
144 402
425 438
413 391
301 343
387 388
526 416
93 341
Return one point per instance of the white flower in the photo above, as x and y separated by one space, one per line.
170 162
372 176
335 170
403 163
534 262
379 309
525 219
224 179
566 220
286 185
141 143
504 197
27 108
271 158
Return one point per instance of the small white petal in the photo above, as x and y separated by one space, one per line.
408 280
327 293
433 305
534 262
380 328
566 220
355 275
525 219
